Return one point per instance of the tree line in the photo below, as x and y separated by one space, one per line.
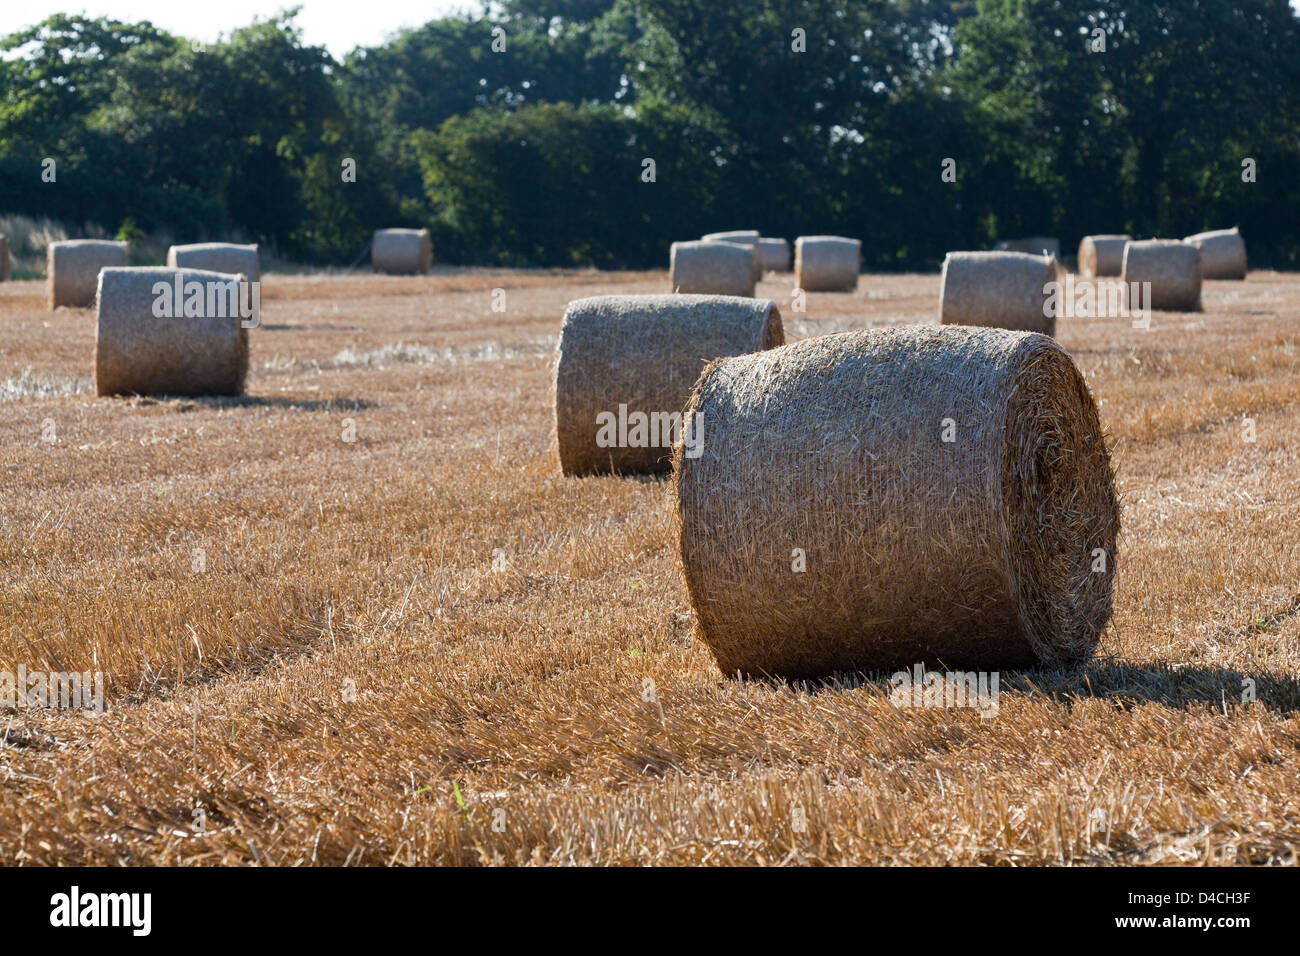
595 132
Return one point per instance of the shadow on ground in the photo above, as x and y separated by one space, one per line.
188 403
1126 682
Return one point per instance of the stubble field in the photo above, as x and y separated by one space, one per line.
425 646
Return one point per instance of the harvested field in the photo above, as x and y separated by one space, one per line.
422 645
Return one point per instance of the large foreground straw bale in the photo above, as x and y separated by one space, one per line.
72 269
1034 245
774 255
402 251
1005 290
830 527
622 357
1223 253
217 257
1101 255
136 351
827 263
4 259
709 267
1172 267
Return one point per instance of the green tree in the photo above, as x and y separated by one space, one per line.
533 186
57 80
572 52
814 107
1147 136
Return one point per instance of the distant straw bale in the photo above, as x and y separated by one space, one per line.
742 238
1034 245
402 251
827 263
1172 267
72 269
732 236
774 255
138 351
1101 255
217 257
709 267
1223 253
1006 290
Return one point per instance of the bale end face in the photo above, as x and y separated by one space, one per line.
830 525
1101 255
153 338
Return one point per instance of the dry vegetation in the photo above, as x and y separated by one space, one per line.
524 690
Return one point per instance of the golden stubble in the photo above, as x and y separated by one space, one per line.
425 646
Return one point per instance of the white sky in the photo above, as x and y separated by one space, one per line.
338 25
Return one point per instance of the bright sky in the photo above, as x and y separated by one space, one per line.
338 25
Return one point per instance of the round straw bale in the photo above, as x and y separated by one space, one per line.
136 351
1034 245
1172 267
774 255
1223 253
748 242
402 251
622 356
1004 290
733 235
217 257
827 263
712 268
72 268
1101 255
4 259
886 497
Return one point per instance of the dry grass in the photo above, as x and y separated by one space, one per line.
524 690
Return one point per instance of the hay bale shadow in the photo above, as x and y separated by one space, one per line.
187 403
1128 683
